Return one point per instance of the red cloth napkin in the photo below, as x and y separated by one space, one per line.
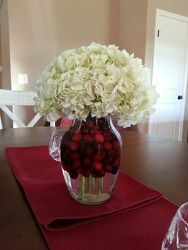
63 221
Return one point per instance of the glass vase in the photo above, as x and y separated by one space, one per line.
90 156
177 236
54 143
56 137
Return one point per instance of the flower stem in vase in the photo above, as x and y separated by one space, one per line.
100 185
82 187
91 183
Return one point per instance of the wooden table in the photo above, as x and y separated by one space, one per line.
159 163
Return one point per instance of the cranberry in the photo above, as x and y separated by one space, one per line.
77 137
86 161
108 159
116 145
97 165
107 145
85 131
108 168
101 173
116 163
88 150
74 146
67 136
88 138
99 138
111 152
65 143
96 147
66 160
90 123
81 147
95 174
76 164
74 156
99 156
85 172
95 130
107 136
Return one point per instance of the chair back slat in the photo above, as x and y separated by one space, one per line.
17 98
35 119
12 116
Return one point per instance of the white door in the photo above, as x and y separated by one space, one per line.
170 74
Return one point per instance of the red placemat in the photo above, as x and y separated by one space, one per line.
70 225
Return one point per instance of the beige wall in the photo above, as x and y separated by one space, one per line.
114 22
132 30
5 79
40 29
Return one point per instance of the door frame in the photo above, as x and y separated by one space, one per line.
178 17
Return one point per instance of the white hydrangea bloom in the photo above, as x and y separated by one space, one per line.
97 79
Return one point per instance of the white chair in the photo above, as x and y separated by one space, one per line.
18 98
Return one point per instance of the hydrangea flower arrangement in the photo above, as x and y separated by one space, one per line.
96 80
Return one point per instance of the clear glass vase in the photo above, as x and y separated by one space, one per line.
56 137
90 157
54 143
177 236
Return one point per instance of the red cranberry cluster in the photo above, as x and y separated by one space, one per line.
90 148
